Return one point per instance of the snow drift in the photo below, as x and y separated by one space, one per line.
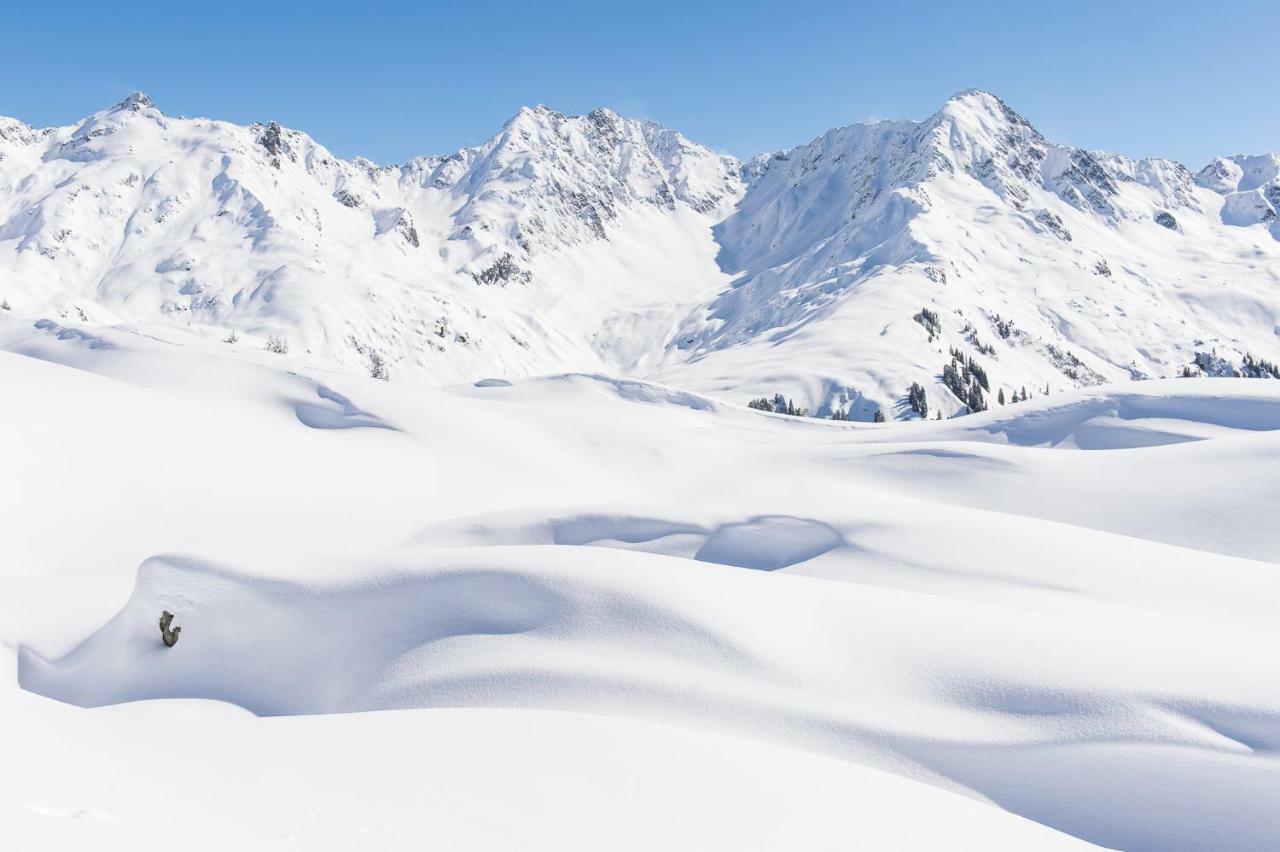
1035 607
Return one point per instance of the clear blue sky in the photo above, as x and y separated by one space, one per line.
391 80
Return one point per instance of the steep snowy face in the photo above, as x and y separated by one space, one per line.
549 180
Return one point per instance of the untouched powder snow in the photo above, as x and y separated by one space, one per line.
588 611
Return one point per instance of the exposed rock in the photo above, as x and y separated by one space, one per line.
169 636
1165 220
1053 224
135 102
501 272
347 198
1072 367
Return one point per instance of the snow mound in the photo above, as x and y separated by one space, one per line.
985 605
898 680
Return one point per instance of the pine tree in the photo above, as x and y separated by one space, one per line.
1000 396
975 400
878 418
918 401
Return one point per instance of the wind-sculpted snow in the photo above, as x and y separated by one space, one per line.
848 670
1064 608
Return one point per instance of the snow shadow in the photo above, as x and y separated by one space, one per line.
762 543
340 413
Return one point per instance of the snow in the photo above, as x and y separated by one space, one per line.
627 249
579 610
554 585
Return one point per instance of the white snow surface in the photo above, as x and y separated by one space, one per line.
598 243
583 611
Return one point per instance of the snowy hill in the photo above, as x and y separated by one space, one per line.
599 243
580 602
556 585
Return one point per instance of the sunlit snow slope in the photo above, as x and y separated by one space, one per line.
599 243
1041 627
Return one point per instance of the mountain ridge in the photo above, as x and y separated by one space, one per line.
598 242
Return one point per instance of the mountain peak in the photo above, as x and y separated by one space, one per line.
136 102
976 105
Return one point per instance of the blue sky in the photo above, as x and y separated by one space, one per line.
391 80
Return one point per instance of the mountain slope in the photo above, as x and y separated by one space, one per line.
1048 265
601 243
439 265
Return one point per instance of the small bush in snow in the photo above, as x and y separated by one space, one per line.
231 338
378 368
4 305
278 345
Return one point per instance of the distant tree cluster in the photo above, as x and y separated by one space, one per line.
378 368
1259 369
1212 365
1013 397
918 400
971 334
778 405
930 321
967 379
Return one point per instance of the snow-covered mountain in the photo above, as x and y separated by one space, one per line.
838 273
133 216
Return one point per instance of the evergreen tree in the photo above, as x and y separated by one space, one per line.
1000 396
878 418
917 400
975 400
